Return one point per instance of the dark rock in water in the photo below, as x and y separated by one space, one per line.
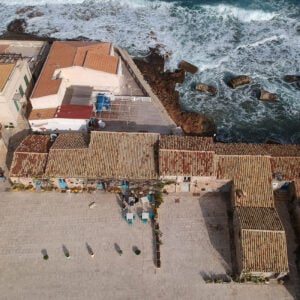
298 83
195 124
206 88
17 26
239 80
186 66
272 141
291 78
267 96
35 14
163 85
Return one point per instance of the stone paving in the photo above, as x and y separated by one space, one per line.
33 221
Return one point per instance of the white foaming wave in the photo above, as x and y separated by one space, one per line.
262 41
213 65
243 15
39 2
133 3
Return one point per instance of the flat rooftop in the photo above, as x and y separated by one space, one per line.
25 48
133 116
195 243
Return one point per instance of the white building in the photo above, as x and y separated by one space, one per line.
79 67
18 61
15 78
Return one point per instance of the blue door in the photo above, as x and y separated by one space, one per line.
62 183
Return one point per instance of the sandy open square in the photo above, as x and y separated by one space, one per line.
195 242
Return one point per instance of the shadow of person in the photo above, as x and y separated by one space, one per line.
89 249
45 254
118 249
66 251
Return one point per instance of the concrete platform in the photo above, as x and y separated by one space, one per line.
134 116
192 245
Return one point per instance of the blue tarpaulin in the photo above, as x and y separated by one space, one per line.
102 102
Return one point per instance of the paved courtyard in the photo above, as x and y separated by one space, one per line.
195 242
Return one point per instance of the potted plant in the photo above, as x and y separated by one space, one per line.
45 256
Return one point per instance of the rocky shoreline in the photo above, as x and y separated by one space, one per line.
163 85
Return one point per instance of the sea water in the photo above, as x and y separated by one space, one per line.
223 38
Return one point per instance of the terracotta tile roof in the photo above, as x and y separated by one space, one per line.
258 218
123 155
239 149
3 48
5 71
256 149
100 48
40 114
72 111
287 167
109 155
185 163
252 178
69 156
62 55
35 143
264 251
30 157
100 62
68 163
28 164
185 156
71 141
192 143
263 240
282 150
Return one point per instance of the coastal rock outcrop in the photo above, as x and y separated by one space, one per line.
163 85
17 26
239 80
291 78
206 88
188 67
267 96
195 124
35 14
24 10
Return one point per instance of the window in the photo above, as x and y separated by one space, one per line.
16 105
186 179
21 91
26 80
